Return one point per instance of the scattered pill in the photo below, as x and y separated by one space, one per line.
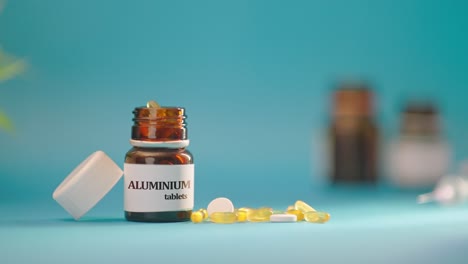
205 213
283 218
222 211
221 205
297 213
245 209
223 217
260 215
317 217
241 216
199 216
303 207
196 217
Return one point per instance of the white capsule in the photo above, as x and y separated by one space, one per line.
283 218
220 205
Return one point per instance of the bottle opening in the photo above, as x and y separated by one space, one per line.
159 124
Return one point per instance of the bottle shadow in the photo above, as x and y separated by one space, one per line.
60 222
93 220
69 222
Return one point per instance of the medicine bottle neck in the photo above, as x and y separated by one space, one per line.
161 149
159 125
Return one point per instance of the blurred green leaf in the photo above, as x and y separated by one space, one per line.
10 70
10 67
5 122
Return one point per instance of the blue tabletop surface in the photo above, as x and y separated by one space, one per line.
368 225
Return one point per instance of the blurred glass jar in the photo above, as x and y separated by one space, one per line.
420 156
353 135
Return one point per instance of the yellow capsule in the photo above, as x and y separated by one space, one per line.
196 217
277 212
260 215
291 207
247 210
152 104
241 216
205 213
223 217
298 213
303 207
317 217
199 216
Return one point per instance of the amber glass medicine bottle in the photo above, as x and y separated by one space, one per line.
158 170
354 135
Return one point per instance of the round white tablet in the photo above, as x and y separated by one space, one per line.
283 218
220 204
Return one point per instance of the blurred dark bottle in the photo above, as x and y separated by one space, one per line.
353 135
420 155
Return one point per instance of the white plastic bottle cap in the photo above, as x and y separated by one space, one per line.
87 184
283 218
220 204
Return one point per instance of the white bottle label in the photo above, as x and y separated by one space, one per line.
158 188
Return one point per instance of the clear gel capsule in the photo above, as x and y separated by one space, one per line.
205 214
152 107
298 213
241 215
303 207
223 217
247 210
317 217
152 104
199 216
260 215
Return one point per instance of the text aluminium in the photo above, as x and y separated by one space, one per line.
159 185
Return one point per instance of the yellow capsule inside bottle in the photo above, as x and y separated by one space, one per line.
260 215
152 104
298 213
223 217
317 217
199 216
303 207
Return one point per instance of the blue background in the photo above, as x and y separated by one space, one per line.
255 78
